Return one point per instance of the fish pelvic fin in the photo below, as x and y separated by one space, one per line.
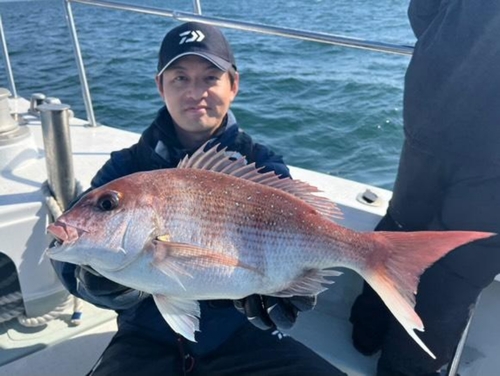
310 282
398 260
180 314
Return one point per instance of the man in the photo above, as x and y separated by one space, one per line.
448 179
198 80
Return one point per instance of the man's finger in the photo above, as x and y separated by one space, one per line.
280 311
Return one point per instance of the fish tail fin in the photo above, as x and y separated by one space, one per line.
394 268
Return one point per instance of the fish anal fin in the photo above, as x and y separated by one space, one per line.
182 315
310 282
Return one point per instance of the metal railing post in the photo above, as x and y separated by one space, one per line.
79 62
197 6
58 153
6 58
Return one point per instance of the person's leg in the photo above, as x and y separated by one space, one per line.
449 289
131 354
443 303
254 352
416 200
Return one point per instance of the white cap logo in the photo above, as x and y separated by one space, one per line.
191 36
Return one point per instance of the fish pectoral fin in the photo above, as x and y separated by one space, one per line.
182 315
177 256
310 282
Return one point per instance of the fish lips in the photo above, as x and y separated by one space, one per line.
65 235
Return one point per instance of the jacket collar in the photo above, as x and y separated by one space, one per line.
165 143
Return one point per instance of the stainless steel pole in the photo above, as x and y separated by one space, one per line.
58 153
81 68
6 59
197 6
258 28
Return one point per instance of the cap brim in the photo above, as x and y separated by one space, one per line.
222 64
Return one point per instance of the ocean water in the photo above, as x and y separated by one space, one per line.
332 109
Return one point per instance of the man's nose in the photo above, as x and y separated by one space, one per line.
197 89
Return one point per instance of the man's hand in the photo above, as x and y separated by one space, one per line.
267 312
93 281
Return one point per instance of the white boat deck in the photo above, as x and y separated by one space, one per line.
61 349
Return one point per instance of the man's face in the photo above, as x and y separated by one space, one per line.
197 95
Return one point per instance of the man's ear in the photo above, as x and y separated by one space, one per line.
159 83
236 84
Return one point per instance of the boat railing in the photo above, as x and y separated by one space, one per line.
6 59
215 21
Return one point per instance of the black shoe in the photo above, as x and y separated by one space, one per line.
366 343
368 331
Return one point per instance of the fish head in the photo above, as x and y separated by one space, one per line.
107 228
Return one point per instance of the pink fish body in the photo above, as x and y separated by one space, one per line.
216 228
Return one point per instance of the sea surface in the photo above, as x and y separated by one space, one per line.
332 109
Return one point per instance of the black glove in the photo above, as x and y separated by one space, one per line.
102 292
96 283
267 312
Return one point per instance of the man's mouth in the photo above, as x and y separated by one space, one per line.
199 108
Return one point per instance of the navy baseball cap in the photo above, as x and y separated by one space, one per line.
194 38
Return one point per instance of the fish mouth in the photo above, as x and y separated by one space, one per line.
64 234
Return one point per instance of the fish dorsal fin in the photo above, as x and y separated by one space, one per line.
234 164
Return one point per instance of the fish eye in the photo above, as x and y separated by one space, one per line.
108 201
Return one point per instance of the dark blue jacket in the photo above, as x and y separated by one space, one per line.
158 148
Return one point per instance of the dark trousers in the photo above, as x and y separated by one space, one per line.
250 351
434 193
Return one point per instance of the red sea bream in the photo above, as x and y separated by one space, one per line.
216 228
